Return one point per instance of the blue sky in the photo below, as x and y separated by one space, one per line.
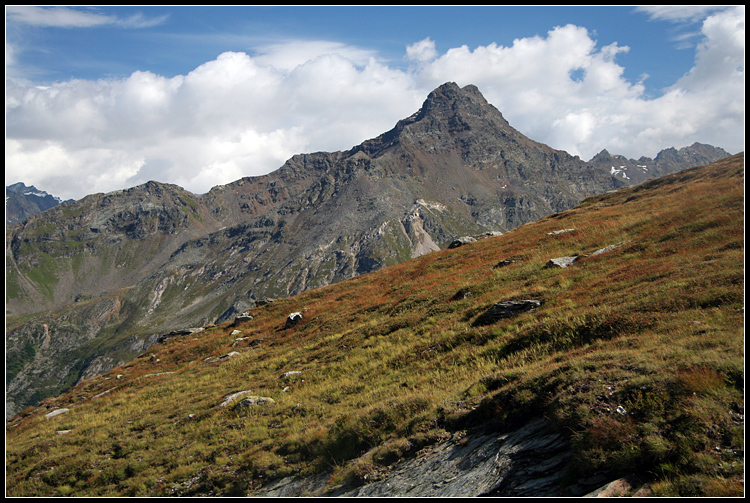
102 98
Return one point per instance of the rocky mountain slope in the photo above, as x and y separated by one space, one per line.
667 161
598 350
22 202
93 282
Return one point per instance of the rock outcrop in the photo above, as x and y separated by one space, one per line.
506 309
561 262
667 161
530 461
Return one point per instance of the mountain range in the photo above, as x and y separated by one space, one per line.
22 202
94 282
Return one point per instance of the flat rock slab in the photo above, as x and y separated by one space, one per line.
55 413
608 248
234 396
223 358
527 462
561 262
506 309
461 241
255 400
561 231
620 487
242 318
530 461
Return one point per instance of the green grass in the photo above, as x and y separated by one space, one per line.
392 361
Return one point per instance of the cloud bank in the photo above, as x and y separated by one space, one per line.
244 115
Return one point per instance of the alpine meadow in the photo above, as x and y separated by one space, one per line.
598 344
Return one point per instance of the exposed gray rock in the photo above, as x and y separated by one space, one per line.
240 307
506 309
54 413
561 231
295 487
99 365
242 318
667 161
22 202
561 262
530 461
460 242
607 248
620 487
289 374
255 400
223 357
103 393
181 332
234 396
158 374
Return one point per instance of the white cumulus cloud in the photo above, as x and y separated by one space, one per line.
424 50
244 114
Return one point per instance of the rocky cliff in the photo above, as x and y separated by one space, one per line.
667 161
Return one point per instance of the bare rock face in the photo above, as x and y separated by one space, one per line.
667 161
530 461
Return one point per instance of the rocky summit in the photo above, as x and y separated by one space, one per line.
92 283
22 202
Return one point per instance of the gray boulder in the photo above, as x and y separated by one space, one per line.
506 309
234 396
561 231
223 358
461 241
54 413
241 318
255 400
608 248
561 262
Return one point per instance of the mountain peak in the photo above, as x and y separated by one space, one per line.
448 110
450 99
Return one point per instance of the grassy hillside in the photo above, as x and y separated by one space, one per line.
395 360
